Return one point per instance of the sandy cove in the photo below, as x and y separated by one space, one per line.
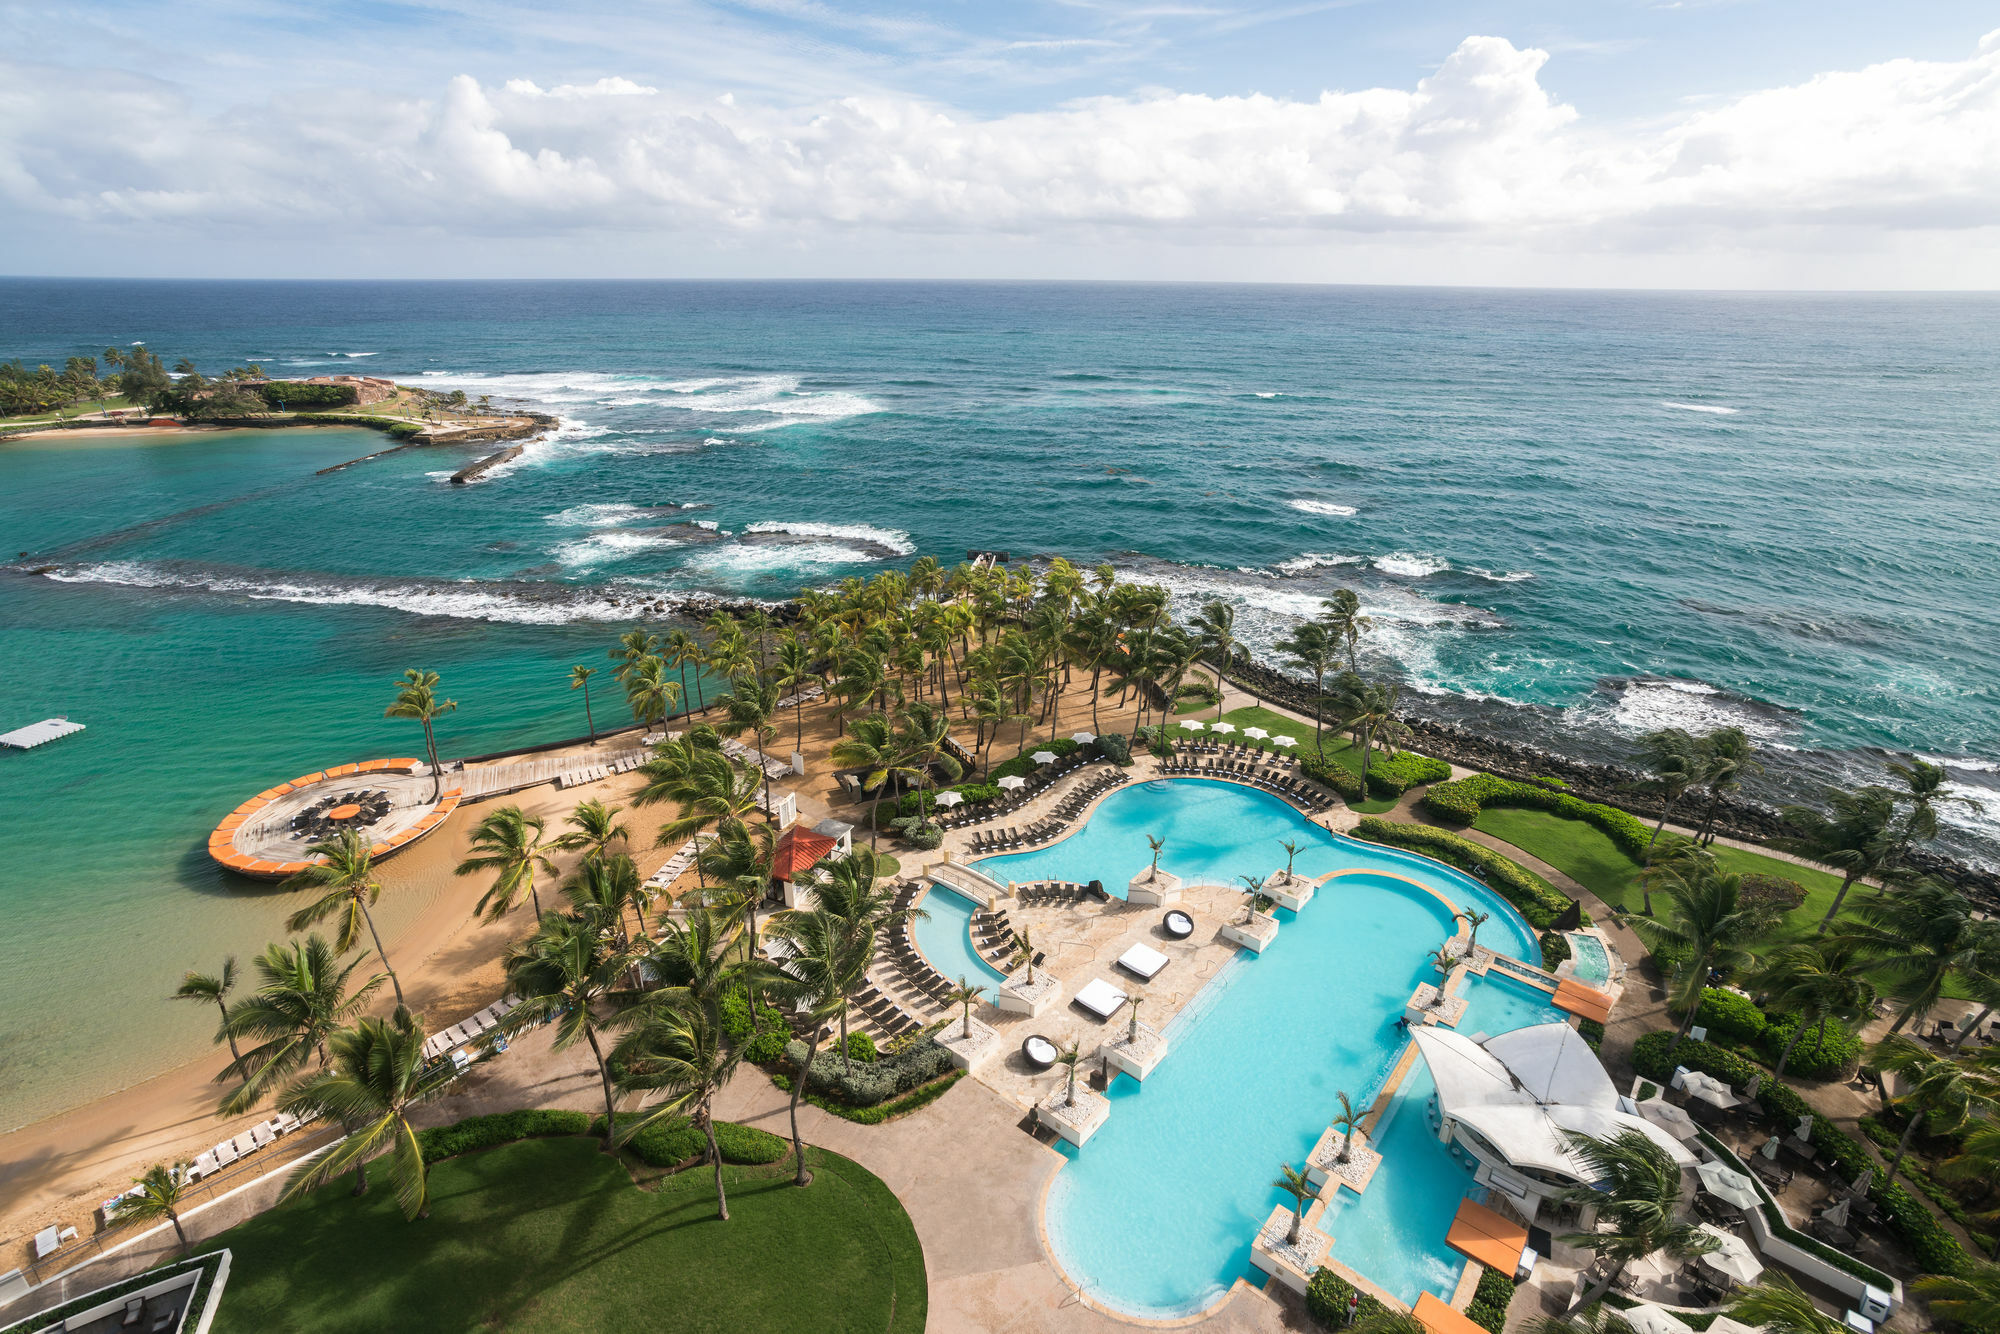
58 1170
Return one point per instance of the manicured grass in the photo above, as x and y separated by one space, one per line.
1336 746
553 1235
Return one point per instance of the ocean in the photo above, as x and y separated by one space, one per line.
1572 516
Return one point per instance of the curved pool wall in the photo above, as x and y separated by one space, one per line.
944 936
1216 832
1592 963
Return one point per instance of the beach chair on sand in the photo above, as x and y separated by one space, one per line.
225 1152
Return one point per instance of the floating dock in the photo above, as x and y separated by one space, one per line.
35 734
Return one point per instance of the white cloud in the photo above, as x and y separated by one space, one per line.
1478 151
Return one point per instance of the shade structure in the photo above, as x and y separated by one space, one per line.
948 798
1083 738
1012 781
1646 1318
1192 724
1286 741
1222 727
1729 1185
1045 757
1669 1118
1732 1257
1257 732
1710 1090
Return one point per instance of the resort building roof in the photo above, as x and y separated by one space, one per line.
798 851
1520 1092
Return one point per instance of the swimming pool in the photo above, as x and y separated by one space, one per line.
944 935
1592 963
1155 1217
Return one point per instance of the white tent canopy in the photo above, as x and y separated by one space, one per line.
1523 1090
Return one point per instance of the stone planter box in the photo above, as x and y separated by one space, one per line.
1135 1058
1426 1008
1255 935
1017 996
967 1052
1292 1266
1323 1164
1077 1121
1163 888
1288 892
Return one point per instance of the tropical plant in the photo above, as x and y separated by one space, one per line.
680 1054
601 889
344 879
1022 946
1637 1193
1300 1187
1858 839
594 827
370 1087
795 676
1215 631
963 995
704 784
828 963
634 647
579 679
1347 1121
683 648
1726 756
567 973
301 999
508 842
1778 1306
1310 648
159 1195
213 988
649 692
1673 762
1473 921
1944 1090
1341 615
1292 850
1970 1300
1918 941
1369 708
748 708
416 697
1157 845
1703 927
1815 984
1068 1057
1925 786
873 744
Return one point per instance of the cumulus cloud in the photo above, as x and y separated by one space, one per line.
1478 148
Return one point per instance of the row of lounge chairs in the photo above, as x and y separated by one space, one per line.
1004 840
590 773
772 765
993 936
1308 796
979 812
1072 805
1235 752
468 1030
884 1013
1057 891
676 865
260 1136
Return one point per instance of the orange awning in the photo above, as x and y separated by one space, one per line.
799 849
1440 1318
1493 1239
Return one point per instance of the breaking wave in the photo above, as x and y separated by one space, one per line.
893 540
1411 565
1326 507
1715 409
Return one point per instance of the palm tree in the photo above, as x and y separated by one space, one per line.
1473 920
1919 941
681 1054
964 994
683 648
579 679
1022 944
1778 1306
1970 1300
373 1082
594 827
159 1196
1300 1187
1069 1056
1157 845
1370 707
1348 1121
416 697
1341 615
1637 1193
853 895
509 843
1673 760
1858 839
873 744
1726 757
1704 925
923 734
795 676
602 888
1944 1090
214 988
1814 983
649 692
344 878
302 999
1309 648
1925 788
567 973
1292 850
708 788
634 646
749 705
829 962
1254 887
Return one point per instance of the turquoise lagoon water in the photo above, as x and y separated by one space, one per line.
1155 1215
945 937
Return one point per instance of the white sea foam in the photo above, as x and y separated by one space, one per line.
1326 507
597 515
709 524
895 539
777 396
734 558
1511 577
1694 706
1411 565
1269 395
1965 763
1315 560
603 548
1715 409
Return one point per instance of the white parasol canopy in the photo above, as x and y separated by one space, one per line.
1729 1185
1192 724
1668 1117
948 798
1083 738
1012 781
1646 1318
1710 1090
1837 1214
1045 757
1257 732
1732 1257
1286 741
1222 727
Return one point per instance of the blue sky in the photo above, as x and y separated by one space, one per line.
1685 143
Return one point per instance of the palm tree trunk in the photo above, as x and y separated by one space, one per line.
610 1098
1298 1221
1903 1147
369 918
179 1231
1666 813
804 1178
1593 1294
1846 883
225 1029
1798 1032
360 1179
715 1156
431 746
589 720
846 1058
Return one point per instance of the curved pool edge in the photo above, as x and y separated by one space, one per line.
1453 873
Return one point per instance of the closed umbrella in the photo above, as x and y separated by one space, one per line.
948 798
1646 1318
1045 757
1710 1090
1286 741
1861 1184
1012 781
1727 1184
1732 1257
1668 1117
1836 1216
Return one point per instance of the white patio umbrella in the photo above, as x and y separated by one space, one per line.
948 798
1861 1184
1045 757
1286 741
1646 1318
1083 738
1257 732
1012 781
1836 1216
1732 1256
1192 724
1668 1117
1726 1183
1222 727
1710 1090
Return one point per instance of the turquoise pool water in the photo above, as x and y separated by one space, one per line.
945 937
1155 1216
1592 963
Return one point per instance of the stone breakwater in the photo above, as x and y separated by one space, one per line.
1609 784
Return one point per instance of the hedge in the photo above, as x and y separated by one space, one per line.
1538 900
483 1132
1393 775
297 393
1460 800
1912 1172
1933 1247
866 1083
1327 1297
1731 1015
673 1142
1732 1018
400 427
921 1096
1327 773
987 788
1490 1301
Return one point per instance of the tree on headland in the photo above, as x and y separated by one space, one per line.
1858 838
213 988
344 879
1944 1091
683 648
509 843
1341 615
416 697
1919 941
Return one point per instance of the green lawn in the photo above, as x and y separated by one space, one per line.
1337 748
553 1235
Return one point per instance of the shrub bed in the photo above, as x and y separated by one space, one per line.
483 1132
921 1096
1459 801
1935 1250
1328 773
1327 1297
1490 1300
671 1143
1914 1173
299 394
1538 900
1555 949
1393 775
1733 1019
866 1083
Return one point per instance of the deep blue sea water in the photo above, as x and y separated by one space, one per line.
1573 516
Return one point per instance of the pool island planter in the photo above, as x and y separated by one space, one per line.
1428 1007
968 1051
1137 1057
1323 1164
1291 1265
1254 935
1289 891
1074 1121
1153 889
1017 995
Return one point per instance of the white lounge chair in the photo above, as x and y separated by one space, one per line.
1101 998
262 1135
1143 960
225 1152
45 1243
246 1144
284 1123
204 1166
